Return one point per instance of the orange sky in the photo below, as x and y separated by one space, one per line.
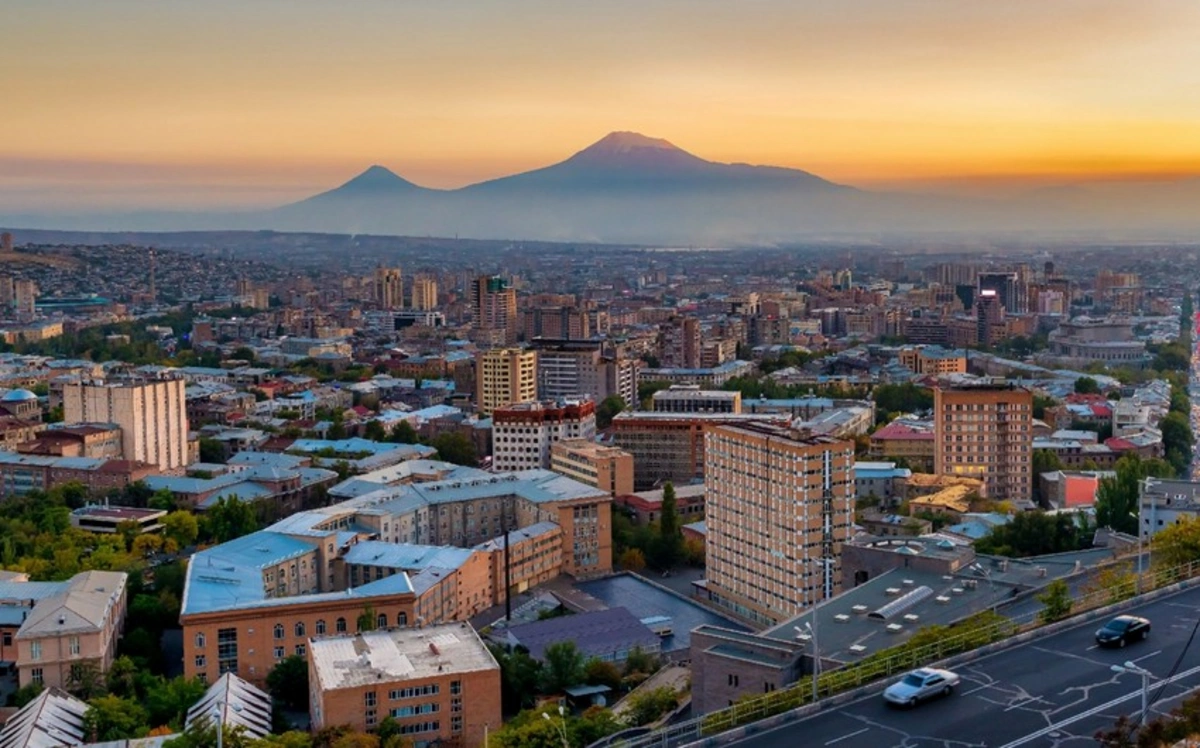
258 101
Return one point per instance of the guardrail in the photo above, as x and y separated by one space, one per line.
973 633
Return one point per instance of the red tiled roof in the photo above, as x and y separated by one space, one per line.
902 431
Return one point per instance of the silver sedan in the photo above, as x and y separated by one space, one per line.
920 685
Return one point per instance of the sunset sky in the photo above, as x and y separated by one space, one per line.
151 103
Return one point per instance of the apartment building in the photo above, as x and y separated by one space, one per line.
506 377
670 446
424 293
922 360
681 343
609 469
984 430
423 678
522 434
63 626
152 416
416 551
571 369
494 307
910 441
779 505
388 288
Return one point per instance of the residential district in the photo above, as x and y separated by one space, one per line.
563 496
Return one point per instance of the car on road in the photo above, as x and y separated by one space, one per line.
921 685
1123 630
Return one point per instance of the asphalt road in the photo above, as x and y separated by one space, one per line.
1055 691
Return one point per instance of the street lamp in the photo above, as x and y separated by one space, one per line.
561 726
811 627
1131 667
218 714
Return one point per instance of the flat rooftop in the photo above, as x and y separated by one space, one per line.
396 655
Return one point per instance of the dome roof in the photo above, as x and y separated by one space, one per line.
18 396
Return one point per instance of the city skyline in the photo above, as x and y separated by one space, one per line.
134 106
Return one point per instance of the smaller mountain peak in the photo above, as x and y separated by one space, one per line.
376 178
624 141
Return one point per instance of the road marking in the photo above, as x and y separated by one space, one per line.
1094 646
1092 712
1146 657
856 732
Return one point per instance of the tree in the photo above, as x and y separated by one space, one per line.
519 678
366 619
670 541
599 672
122 677
1058 602
1178 543
85 679
638 661
114 718
455 448
211 450
562 667
1087 386
1177 441
230 518
404 433
1034 534
167 701
902 398
288 683
607 409
375 431
1117 497
1040 403
648 706
182 527
632 559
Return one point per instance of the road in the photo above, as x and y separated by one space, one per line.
1055 691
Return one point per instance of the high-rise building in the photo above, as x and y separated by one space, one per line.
389 288
1009 287
494 307
558 322
424 293
506 376
681 343
152 416
25 294
989 317
522 434
573 369
779 504
984 430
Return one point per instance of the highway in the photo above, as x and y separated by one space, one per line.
1055 691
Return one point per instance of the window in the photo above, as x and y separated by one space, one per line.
369 699
456 723
73 646
371 718
36 675
279 631
8 638
201 662
320 627
381 621
734 680
340 626
227 651
35 650
401 619
279 653
199 641
300 628
455 687
301 649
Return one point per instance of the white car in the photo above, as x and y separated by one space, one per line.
920 685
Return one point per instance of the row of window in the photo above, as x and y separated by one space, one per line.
35 648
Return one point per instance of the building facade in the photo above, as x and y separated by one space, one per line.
779 505
152 416
523 434
607 468
984 430
506 377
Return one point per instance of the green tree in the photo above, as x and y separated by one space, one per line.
167 700
902 398
85 680
1058 602
1040 403
1177 441
366 619
211 450
404 433
1087 386
599 672
562 667
670 540
182 527
455 448
288 683
520 675
648 706
607 409
1178 543
230 518
114 718
375 431
639 661
632 559
1034 534
1117 497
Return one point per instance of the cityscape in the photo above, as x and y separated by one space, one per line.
608 445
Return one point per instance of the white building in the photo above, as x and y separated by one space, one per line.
152 415
523 434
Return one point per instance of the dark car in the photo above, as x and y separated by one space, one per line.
1122 630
